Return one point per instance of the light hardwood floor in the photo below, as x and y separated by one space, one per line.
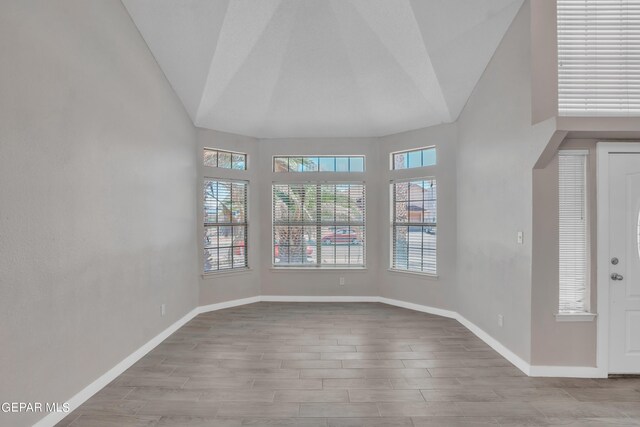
343 365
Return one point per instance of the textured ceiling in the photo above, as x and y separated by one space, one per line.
322 68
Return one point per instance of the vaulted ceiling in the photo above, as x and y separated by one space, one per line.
322 68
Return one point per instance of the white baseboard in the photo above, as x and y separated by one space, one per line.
228 304
341 298
488 339
517 361
419 307
82 396
567 371
534 371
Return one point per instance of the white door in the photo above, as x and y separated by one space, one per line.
624 263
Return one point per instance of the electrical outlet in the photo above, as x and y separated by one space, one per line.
500 320
520 237
342 281
163 309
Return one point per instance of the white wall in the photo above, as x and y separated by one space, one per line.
97 198
421 289
497 148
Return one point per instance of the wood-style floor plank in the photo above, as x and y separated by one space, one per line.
343 365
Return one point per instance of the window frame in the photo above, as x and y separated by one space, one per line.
320 156
205 225
220 150
392 165
394 223
319 224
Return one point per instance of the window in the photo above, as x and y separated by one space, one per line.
414 225
413 158
318 164
319 225
599 57
224 159
225 225
574 250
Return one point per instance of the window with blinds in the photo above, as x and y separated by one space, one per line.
414 225
598 57
319 224
225 225
573 238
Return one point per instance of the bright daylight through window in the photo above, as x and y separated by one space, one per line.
319 225
225 159
225 225
414 225
318 164
413 158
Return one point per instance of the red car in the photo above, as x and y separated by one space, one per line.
340 236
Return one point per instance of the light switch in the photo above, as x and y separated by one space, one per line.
520 237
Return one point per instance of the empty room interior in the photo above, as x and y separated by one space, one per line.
319 213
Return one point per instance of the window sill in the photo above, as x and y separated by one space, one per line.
281 269
575 317
229 272
415 273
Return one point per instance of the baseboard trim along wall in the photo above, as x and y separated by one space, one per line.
82 396
488 339
288 298
517 361
567 371
534 371
227 304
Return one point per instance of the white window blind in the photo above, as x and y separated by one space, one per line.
574 250
598 57
225 225
414 225
319 224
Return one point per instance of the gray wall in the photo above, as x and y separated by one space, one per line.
497 148
552 342
431 291
97 198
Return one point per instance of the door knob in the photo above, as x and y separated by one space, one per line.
616 276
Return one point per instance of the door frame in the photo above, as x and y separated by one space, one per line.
603 149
